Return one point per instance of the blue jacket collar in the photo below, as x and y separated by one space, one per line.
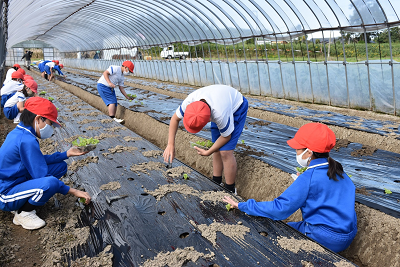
29 128
317 161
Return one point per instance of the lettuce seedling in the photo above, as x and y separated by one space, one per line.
50 98
228 207
85 142
301 169
185 176
82 200
387 191
243 142
42 93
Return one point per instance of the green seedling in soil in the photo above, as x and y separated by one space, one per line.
206 144
50 98
301 169
350 175
141 103
82 200
387 191
228 207
136 101
42 93
85 142
243 142
185 176
57 109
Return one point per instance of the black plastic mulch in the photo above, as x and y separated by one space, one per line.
138 227
371 174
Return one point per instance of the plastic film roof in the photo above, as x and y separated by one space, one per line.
81 25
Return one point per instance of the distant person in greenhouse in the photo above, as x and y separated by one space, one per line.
15 104
10 71
41 66
11 87
28 54
49 69
58 69
226 108
28 179
112 77
324 192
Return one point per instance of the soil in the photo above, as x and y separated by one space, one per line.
152 153
378 233
178 171
364 151
47 146
104 135
92 128
145 166
177 258
294 245
78 114
260 123
120 149
85 121
133 139
103 259
341 143
106 120
163 190
75 165
363 191
94 113
115 129
233 231
111 186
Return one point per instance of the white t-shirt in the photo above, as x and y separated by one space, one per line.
11 87
116 76
51 64
223 101
18 97
8 75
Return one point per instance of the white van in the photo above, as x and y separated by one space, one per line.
169 52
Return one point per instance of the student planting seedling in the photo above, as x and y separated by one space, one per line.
226 108
202 144
324 192
112 77
85 145
28 179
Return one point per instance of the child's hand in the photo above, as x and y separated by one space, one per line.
80 194
233 203
202 152
74 151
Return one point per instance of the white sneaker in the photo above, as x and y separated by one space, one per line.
119 120
16 119
28 220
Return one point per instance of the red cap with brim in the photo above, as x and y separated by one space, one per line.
197 115
129 65
43 107
22 71
17 75
17 65
315 136
28 77
31 84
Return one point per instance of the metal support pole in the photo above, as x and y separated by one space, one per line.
258 70
219 63
245 63
237 67
212 67
266 62
391 66
294 68
309 69
227 62
367 64
345 68
326 67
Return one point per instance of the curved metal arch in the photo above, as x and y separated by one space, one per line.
148 4
279 14
142 27
394 10
383 11
315 14
204 22
188 21
156 16
251 14
266 16
101 22
211 21
358 12
64 39
298 14
335 13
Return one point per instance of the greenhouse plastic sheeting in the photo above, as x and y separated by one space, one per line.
268 143
138 227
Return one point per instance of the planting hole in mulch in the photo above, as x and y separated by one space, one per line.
184 235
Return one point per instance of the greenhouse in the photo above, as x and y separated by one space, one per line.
292 65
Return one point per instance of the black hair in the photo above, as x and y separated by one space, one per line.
15 68
335 168
28 117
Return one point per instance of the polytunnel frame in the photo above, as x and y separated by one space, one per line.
286 22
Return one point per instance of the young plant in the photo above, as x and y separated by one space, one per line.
85 141
228 207
301 169
141 103
387 191
57 109
42 93
185 176
82 200
50 98
243 142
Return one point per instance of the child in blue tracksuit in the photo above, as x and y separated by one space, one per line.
324 193
28 178
41 67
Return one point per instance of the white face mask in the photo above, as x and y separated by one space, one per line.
126 72
301 161
46 131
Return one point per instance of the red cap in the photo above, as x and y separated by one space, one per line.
31 84
28 77
17 65
57 62
17 75
43 107
22 71
129 64
61 66
197 115
315 136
